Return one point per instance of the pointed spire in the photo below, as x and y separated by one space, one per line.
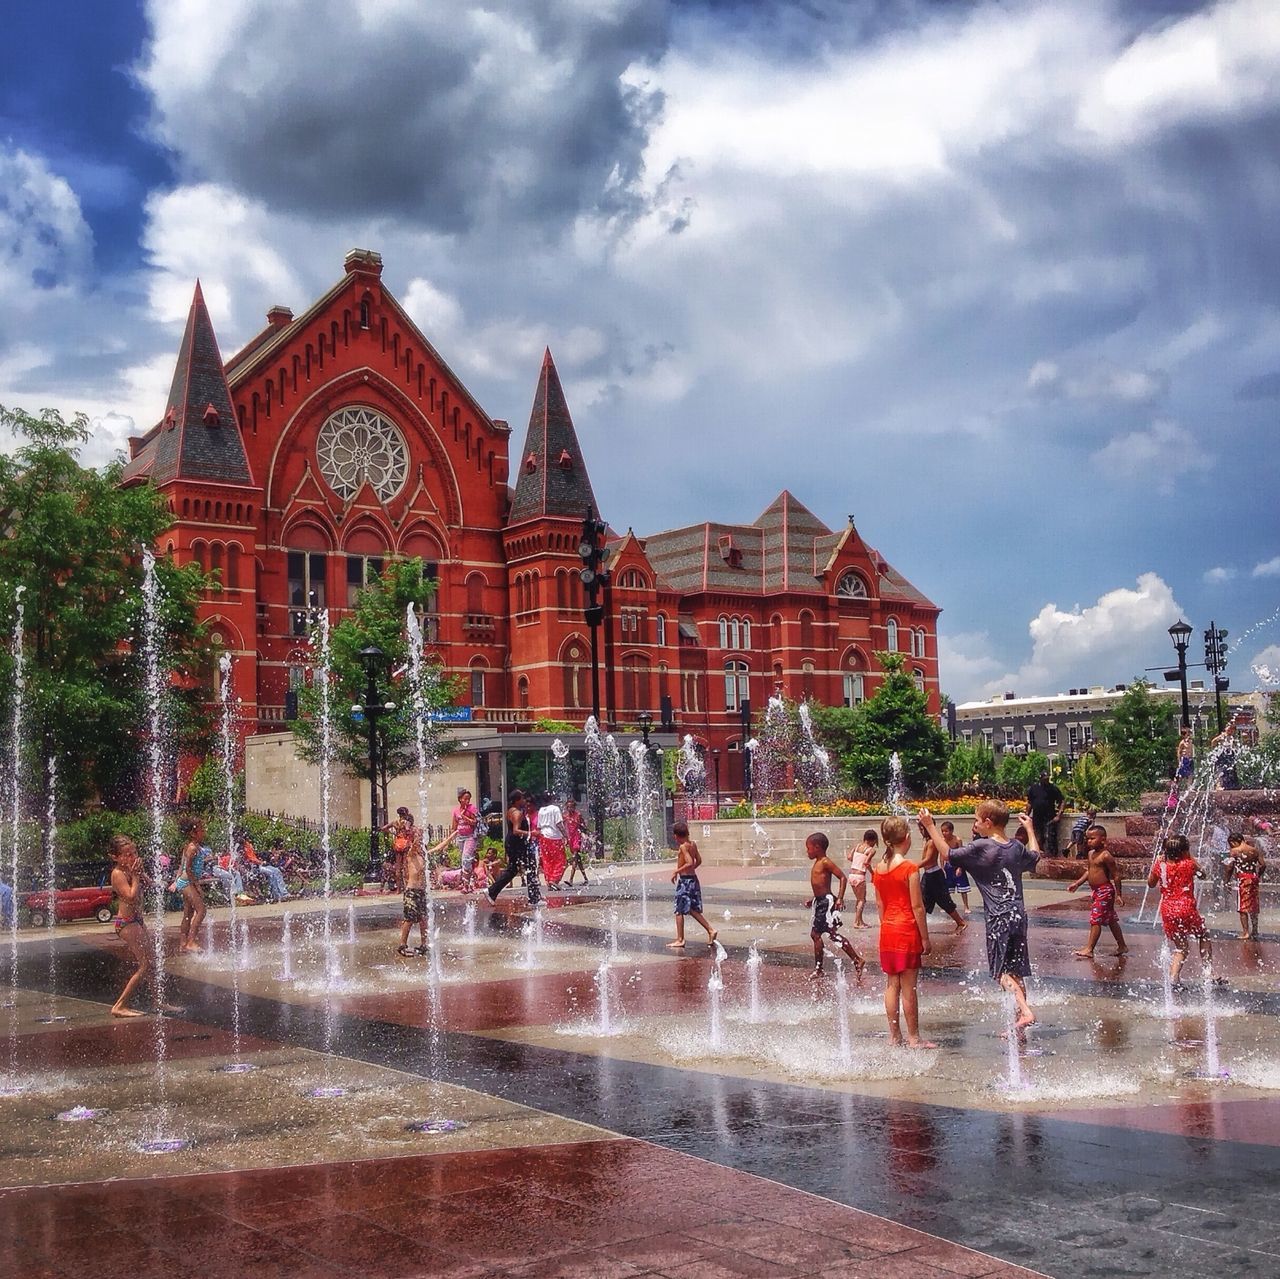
199 435
552 475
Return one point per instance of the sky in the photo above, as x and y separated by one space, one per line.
1001 280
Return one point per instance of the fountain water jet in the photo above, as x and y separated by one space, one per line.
286 946
604 1022
755 961
51 887
715 988
842 1014
13 797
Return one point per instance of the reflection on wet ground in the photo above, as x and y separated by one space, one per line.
364 1085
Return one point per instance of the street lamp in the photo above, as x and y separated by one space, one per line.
1215 660
645 721
372 709
1180 634
715 763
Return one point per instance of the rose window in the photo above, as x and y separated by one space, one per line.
358 444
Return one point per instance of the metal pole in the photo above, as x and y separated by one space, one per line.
1182 683
609 690
371 718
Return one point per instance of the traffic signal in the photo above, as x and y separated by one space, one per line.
592 576
1215 649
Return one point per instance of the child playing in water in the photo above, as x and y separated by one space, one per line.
996 865
957 880
826 906
859 860
1102 874
904 930
573 831
127 882
688 889
1247 864
1176 871
190 871
411 870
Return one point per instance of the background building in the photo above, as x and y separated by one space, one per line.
340 437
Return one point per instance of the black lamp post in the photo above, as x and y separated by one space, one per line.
373 708
1180 634
645 722
594 579
715 764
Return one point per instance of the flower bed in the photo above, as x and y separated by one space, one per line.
959 806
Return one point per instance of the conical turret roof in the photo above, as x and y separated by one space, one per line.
552 475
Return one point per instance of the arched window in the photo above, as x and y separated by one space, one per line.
522 693
215 563
854 688
306 569
475 593
635 683
660 631
746 632
233 566
574 674
891 635
851 586
736 685
563 604
806 629
735 633
632 579
724 632
918 676
478 690
806 681
919 642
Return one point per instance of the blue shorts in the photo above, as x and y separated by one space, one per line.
957 880
688 895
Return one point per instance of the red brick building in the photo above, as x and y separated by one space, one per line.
340 437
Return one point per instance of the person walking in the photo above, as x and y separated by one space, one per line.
1045 803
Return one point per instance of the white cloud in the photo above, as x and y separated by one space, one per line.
1268 568
1216 576
966 663
1158 456
1111 640
1266 667
1103 383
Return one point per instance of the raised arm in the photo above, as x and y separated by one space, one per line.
925 818
1024 820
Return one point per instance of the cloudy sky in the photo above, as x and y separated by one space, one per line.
1000 279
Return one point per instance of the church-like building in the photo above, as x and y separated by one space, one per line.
340 438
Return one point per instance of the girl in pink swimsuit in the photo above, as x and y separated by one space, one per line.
859 862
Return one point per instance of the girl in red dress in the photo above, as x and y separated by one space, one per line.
1176 872
904 931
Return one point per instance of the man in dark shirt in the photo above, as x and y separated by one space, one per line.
1045 803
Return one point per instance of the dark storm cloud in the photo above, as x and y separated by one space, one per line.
442 114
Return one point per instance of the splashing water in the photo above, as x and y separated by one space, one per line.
424 685
1013 1081
604 1018
323 672
469 922
351 923
691 768
897 790
645 802
842 1015
13 799
613 932
715 988
755 961
286 946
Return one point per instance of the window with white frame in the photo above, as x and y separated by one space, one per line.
736 687
854 689
967 736
1008 737
918 676
891 635
1073 734
660 630
724 632
1051 731
988 735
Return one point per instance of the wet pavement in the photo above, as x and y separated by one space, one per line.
497 1123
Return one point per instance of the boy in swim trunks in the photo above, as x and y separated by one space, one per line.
1247 865
933 881
127 882
1102 874
411 869
957 880
826 906
996 865
688 889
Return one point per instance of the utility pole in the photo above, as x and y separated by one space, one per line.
1215 660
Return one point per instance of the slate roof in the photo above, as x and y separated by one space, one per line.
785 549
551 473
198 437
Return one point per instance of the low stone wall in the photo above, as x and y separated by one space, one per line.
779 841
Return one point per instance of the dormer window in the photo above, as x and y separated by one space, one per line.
564 461
531 463
210 416
851 586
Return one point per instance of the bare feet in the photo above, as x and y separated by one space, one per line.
191 949
1083 954
1024 1020
961 925
816 975
859 967
1243 937
1124 950
126 1012
675 945
859 924
711 939
920 1043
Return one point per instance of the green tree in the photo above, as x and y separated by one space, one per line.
897 719
1142 734
378 620
1096 780
1019 771
971 764
72 554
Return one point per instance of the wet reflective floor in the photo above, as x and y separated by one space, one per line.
529 1113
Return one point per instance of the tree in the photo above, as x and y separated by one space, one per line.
72 554
379 621
897 719
1143 736
1018 771
1095 782
972 765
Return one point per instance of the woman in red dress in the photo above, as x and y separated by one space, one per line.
1176 871
904 930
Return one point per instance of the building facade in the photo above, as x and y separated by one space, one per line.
1064 725
340 438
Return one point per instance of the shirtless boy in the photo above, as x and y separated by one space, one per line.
826 920
127 882
411 869
933 880
1247 865
1102 874
688 889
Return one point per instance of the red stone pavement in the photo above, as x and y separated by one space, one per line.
609 1209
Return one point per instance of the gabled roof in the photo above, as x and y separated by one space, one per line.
199 436
552 475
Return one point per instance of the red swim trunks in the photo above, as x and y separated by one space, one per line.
1102 908
1247 890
